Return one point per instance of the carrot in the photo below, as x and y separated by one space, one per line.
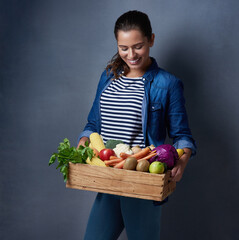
96 152
120 164
138 155
113 157
117 160
148 156
112 164
125 155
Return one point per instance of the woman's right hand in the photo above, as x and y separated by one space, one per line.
82 142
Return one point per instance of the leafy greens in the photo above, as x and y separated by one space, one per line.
67 154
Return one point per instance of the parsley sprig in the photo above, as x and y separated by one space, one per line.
67 154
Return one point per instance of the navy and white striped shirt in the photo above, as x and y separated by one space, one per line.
121 111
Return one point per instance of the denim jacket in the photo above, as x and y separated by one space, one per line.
163 109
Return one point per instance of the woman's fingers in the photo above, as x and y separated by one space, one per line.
82 142
177 172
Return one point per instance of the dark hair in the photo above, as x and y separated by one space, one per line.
126 22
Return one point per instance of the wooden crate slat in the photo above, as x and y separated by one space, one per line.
120 182
112 173
168 189
116 185
135 195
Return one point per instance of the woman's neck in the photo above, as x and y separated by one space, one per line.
134 73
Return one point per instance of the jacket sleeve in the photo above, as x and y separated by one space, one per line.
178 127
93 120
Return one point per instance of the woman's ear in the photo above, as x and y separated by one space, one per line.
151 42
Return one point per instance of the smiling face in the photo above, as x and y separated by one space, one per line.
134 48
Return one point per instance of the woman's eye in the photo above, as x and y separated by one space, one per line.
123 49
139 47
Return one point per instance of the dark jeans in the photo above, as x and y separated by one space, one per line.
111 213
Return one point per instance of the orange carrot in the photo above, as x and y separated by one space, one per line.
112 164
138 155
117 160
147 157
125 155
96 152
113 157
120 164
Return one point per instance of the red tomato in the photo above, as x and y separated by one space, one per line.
106 153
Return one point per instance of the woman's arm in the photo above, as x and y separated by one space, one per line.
93 120
177 120
178 128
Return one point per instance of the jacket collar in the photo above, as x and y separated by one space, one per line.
149 74
152 70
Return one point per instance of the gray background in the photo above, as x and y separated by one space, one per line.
51 56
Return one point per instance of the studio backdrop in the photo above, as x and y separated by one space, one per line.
52 54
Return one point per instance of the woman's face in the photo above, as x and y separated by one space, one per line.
133 48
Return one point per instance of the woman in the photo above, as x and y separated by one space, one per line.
136 102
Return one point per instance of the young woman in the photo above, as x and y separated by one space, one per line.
136 102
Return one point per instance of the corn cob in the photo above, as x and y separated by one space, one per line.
96 141
95 161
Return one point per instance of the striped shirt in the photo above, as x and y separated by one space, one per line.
121 111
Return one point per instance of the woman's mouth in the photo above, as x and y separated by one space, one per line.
134 62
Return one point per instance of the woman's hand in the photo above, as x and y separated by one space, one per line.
177 171
82 142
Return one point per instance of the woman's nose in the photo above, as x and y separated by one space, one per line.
131 53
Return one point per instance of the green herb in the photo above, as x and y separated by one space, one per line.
67 154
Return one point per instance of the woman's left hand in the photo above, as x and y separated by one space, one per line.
177 171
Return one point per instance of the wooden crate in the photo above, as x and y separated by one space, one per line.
120 182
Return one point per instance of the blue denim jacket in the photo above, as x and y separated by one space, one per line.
163 109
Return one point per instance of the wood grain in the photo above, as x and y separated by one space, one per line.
120 182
